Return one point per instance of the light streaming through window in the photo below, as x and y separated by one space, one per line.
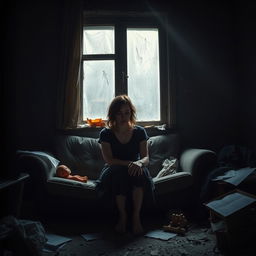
143 85
143 72
98 40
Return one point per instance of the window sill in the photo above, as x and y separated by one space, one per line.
93 132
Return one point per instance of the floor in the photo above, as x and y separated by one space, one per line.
198 240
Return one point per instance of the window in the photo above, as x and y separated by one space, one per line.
125 55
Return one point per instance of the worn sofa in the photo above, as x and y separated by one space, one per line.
83 156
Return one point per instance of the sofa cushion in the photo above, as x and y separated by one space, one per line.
71 188
162 147
81 154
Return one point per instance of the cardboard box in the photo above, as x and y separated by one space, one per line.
233 219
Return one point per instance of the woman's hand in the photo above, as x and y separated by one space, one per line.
135 168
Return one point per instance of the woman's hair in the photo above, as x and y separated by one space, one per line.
115 107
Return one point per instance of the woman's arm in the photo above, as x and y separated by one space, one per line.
108 157
144 158
135 168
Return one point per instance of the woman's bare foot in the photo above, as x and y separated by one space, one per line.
137 227
121 225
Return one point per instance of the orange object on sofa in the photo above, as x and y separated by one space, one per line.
63 171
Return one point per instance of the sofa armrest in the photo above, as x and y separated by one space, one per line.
172 182
38 166
198 162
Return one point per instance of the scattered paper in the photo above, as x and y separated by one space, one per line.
230 203
91 236
160 234
49 249
55 242
227 175
235 177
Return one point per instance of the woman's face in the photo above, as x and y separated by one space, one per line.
123 116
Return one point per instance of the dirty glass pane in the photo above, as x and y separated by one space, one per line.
98 40
143 72
98 88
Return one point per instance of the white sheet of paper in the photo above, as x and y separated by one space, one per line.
160 234
241 175
235 177
91 236
230 203
55 241
227 175
48 249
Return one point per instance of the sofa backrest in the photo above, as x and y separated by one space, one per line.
160 148
83 155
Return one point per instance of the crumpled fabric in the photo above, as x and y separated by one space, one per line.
31 232
169 167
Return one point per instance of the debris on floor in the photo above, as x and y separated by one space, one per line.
159 234
197 241
178 224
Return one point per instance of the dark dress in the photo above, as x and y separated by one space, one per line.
115 180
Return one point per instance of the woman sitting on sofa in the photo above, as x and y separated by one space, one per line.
125 151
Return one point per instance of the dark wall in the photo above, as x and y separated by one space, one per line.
32 72
209 113
205 77
247 72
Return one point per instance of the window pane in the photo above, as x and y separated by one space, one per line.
98 40
143 72
98 88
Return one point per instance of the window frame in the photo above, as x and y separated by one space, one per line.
121 21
